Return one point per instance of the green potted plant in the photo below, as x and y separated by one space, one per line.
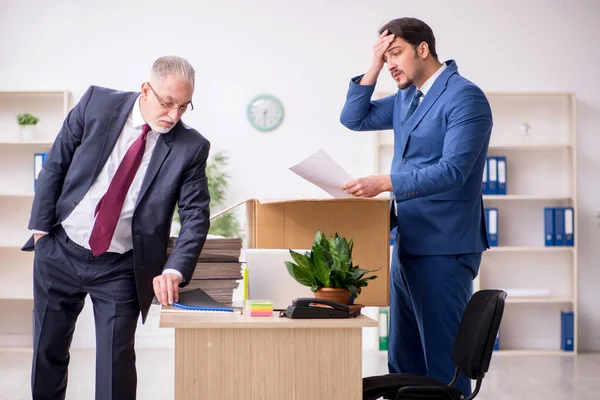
328 269
227 225
27 123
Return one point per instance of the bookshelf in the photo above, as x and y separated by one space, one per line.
16 197
536 132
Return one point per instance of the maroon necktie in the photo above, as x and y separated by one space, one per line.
109 207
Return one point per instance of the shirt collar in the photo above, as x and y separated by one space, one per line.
429 82
136 115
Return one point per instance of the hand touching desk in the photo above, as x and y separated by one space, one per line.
232 356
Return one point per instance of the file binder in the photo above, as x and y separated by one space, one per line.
569 227
501 165
484 180
492 175
199 300
383 329
486 217
567 337
559 226
549 226
491 223
38 160
497 342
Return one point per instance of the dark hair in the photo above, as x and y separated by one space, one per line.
413 31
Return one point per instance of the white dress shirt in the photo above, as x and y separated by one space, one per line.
429 82
78 225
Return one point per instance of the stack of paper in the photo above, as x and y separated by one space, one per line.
219 248
219 289
218 269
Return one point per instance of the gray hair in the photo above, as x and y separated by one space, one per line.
167 65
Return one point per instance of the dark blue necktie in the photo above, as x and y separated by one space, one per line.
413 105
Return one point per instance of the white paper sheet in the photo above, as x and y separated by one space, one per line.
322 170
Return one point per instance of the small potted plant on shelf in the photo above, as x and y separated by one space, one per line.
327 268
27 123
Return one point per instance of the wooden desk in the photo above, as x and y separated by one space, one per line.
231 356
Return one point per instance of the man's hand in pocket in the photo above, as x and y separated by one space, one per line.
37 236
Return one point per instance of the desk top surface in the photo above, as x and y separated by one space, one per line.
171 317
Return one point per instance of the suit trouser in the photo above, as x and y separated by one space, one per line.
64 273
428 297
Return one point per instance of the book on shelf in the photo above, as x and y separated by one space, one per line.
491 223
494 176
38 160
383 329
567 333
559 226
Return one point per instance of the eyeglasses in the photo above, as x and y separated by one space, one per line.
165 104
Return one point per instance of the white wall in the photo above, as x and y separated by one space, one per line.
305 53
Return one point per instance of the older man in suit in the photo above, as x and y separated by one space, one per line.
101 219
442 125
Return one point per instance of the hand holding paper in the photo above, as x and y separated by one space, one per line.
322 170
369 186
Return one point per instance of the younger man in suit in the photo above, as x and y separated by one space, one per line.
442 125
101 219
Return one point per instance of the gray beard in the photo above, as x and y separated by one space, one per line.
160 129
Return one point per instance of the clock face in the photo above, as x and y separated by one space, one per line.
265 113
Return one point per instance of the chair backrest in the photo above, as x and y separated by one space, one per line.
477 332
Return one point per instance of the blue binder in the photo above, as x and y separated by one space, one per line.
501 166
486 217
567 337
569 226
491 224
549 226
38 160
484 180
497 342
492 164
559 226
199 300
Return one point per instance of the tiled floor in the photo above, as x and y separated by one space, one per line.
510 377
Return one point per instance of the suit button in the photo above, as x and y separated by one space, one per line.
404 161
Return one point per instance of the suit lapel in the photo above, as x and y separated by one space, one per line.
429 100
114 126
161 150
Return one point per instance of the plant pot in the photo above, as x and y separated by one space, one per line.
334 294
27 132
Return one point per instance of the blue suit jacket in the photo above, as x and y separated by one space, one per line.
176 173
439 157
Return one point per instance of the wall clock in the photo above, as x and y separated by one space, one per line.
265 112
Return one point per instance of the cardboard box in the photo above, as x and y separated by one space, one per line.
293 223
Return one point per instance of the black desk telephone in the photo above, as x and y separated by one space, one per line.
309 307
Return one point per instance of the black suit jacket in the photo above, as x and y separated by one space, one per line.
176 173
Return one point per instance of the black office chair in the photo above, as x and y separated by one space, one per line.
472 353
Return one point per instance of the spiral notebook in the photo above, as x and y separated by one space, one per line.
199 300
